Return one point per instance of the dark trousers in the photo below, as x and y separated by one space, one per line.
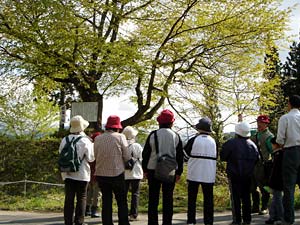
167 201
240 194
134 186
79 189
265 196
290 176
116 186
208 204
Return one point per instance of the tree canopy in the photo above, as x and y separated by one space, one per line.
23 112
291 71
103 48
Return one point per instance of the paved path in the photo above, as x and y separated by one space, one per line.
30 218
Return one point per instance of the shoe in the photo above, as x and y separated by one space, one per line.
263 212
270 221
87 210
246 223
94 213
133 218
235 223
278 222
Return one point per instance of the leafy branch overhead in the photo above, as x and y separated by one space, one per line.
105 48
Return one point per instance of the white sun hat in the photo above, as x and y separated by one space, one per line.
130 132
243 129
78 124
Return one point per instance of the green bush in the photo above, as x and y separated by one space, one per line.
37 161
32 160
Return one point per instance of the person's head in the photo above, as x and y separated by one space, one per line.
262 122
242 129
95 134
78 124
113 123
204 125
294 102
165 119
130 133
275 145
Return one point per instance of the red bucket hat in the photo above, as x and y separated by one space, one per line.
165 117
113 122
263 119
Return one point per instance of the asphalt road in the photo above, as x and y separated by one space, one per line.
29 218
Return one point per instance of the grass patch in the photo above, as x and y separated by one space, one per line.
41 198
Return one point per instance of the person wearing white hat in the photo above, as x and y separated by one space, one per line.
241 155
133 177
76 183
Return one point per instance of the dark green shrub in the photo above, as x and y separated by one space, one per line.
31 160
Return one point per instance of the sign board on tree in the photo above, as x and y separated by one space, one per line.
88 110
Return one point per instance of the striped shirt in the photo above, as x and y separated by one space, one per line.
111 151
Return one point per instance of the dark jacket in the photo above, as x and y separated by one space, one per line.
241 156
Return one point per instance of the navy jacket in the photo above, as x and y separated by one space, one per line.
241 155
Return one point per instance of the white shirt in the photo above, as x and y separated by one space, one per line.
137 171
203 169
85 150
288 133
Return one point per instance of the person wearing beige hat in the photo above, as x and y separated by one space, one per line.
241 155
133 177
76 183
111 153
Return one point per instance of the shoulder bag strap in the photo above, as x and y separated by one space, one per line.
156 142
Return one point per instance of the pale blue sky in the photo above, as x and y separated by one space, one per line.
294 25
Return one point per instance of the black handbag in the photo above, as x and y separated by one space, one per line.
276 181
130 163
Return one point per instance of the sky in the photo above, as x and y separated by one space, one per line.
124 109
294 25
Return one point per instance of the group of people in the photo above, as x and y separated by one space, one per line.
270 163
246 156
102 172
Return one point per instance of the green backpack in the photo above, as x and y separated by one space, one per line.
68 158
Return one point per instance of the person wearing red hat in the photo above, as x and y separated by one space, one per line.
167 142
93 192
111 153
262 139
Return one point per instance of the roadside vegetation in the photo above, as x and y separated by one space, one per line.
41 197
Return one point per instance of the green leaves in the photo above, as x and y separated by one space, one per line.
24 114
111 48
